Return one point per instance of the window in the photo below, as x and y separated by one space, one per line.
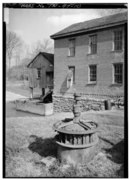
71 47
49 78
118 73
92 73
93 44
118 40
72 73
39 73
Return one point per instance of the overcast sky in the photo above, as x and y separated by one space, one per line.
36 24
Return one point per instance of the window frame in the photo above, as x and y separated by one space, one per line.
71 48
89 74
113 46
90 43
69 67
50 75
38 73
113 81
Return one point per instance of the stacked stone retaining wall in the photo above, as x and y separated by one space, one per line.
65 104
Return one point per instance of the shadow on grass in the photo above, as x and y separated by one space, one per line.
44 147
116 154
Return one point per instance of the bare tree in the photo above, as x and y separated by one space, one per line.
45 45
13 46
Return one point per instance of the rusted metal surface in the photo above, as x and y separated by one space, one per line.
76 134
66 128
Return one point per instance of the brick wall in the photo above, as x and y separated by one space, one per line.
104 59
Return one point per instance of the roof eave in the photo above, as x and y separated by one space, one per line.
87 30
30 64
49 59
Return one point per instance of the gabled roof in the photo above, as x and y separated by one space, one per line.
95 24
48 56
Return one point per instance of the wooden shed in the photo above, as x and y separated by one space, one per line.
44 63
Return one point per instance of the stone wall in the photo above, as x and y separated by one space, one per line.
65 103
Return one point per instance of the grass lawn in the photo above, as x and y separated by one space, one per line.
29 140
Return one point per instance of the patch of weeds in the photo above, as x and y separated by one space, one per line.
62 170
120 172
101 166
23 157
17 166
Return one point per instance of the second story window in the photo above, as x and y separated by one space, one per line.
118 40
93 44
71 47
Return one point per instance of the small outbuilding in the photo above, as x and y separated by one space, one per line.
43 63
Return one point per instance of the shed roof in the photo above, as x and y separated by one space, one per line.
106 21
48 56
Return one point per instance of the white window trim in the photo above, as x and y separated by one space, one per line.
113 74
71 82
89 45
68 51
113 41
113 47
89 48
92 82
69 47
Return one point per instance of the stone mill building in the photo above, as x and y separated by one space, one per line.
90 58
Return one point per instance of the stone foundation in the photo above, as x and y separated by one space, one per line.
65 103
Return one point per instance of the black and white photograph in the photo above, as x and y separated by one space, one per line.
65 90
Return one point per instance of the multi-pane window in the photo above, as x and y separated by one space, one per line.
93 44
39 73
92 73
71 47
118 40
118 73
